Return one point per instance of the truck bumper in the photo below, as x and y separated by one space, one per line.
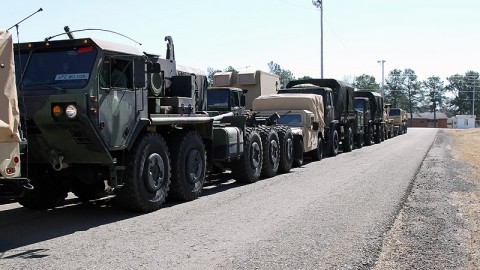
13 187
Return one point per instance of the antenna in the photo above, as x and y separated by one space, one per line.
16 25
68 32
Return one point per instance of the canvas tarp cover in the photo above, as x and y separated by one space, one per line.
343 93
376 103
285 102
9 114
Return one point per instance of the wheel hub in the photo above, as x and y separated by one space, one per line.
255 155
194 166
289 149
156 172
273 151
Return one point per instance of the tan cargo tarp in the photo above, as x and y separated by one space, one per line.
9 116
285 102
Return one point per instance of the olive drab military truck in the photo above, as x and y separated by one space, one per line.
376 126
342 124
362 105
11 139
400 120
274 141
303 113
104 118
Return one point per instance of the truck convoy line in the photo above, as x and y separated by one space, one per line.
104 119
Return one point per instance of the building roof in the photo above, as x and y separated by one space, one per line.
429 115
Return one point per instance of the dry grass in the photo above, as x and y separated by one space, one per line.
466 146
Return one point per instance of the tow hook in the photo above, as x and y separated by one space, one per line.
56 159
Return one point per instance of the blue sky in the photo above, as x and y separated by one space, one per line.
431 37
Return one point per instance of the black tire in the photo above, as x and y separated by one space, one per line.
49 191
317 154
247 169
377 137
368 136
359 141
347 143
333 143
189 164
297 151
285 137
146 179
405 128
87 192
271 151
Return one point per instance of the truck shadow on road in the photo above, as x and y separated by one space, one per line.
21 227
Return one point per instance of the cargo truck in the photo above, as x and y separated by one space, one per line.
400 119
342 122
376 127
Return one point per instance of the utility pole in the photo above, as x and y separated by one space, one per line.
382 62
473 100
319 4
434 100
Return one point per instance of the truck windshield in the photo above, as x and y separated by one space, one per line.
57 68
394 112
359 105
217 98
290 119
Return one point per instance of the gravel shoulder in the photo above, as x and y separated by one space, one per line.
438 226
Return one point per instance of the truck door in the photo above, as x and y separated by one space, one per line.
117 100
329 109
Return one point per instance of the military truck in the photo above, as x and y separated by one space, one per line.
376 122
341 119
276 140
388 128
12 183
256 83
362 105
140 141
303 113
400 120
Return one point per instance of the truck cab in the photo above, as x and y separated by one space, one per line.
226 99
362 105
399 117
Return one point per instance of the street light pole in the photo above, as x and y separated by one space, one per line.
383 78
319 4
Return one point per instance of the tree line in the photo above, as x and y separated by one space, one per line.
458 94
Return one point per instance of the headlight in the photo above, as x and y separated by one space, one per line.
71 111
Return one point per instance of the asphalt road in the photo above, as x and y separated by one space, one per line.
331 214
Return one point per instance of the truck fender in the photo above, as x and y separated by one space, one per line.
138 128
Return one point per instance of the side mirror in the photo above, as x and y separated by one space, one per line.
242 101
153 67
315 125
139 73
